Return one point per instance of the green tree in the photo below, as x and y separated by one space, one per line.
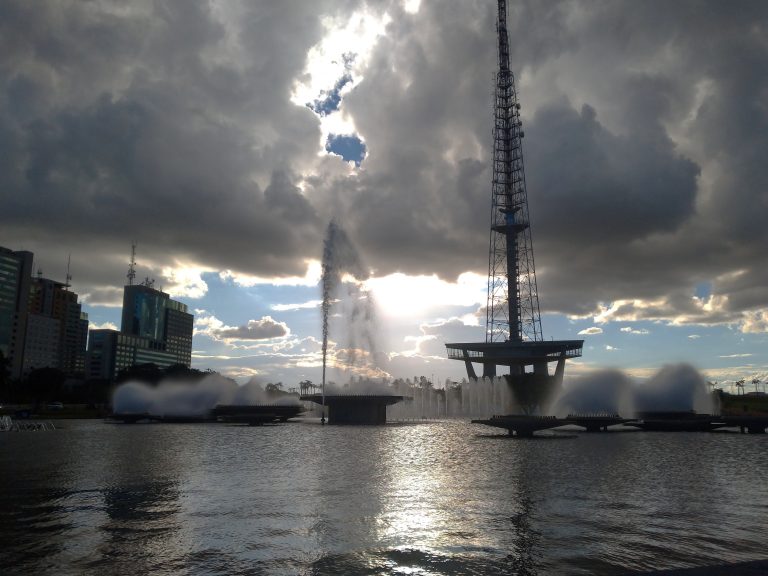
148 373
274 388
182 372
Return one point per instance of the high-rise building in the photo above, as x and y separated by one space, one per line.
15 278
110 351
154 329
42 343
51 301
152 314
144 311
178 332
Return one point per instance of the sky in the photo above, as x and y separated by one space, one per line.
223 136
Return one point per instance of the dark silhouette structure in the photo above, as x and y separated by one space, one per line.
355 408
513 335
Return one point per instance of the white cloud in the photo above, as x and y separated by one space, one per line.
299 306
102 326
610 348
676 310
591 331
185 280
755 321
630 330
736 356
411 6
694 336
106 296
266 328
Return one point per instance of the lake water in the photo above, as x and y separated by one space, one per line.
421 498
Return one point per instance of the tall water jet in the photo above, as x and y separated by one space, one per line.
336 249
340 257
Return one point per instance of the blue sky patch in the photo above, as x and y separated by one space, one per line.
349 147
330 100
703 290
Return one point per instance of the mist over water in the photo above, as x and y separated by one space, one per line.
674 388
196 399
605 391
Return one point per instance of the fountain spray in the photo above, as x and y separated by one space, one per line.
339 256
328 281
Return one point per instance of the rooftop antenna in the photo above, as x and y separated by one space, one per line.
39 273
132 265
69 276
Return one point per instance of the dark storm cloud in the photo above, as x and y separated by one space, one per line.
645 124
171 123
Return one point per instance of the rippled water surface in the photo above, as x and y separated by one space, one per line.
428 498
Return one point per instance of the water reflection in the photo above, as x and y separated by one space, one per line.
431 498
525 552
349 510
32 523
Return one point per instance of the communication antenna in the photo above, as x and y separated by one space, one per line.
69 276
132 265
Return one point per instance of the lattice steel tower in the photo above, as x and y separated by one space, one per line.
513 301
513 335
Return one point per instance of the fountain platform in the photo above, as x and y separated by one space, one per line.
255 414
597 422
355 408
523 425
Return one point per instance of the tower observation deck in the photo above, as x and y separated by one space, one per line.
513 335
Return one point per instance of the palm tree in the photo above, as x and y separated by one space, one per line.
756 381
740 386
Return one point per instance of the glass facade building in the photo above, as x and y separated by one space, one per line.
154 329
15 278
144 312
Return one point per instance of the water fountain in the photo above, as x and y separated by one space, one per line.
353 405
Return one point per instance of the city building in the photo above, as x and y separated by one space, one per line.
57 328
42 325
15 279
154 329
41 343
152 314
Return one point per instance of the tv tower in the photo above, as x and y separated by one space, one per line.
513 335
512 312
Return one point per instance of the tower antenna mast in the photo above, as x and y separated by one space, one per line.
69 276
132 265
512 313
